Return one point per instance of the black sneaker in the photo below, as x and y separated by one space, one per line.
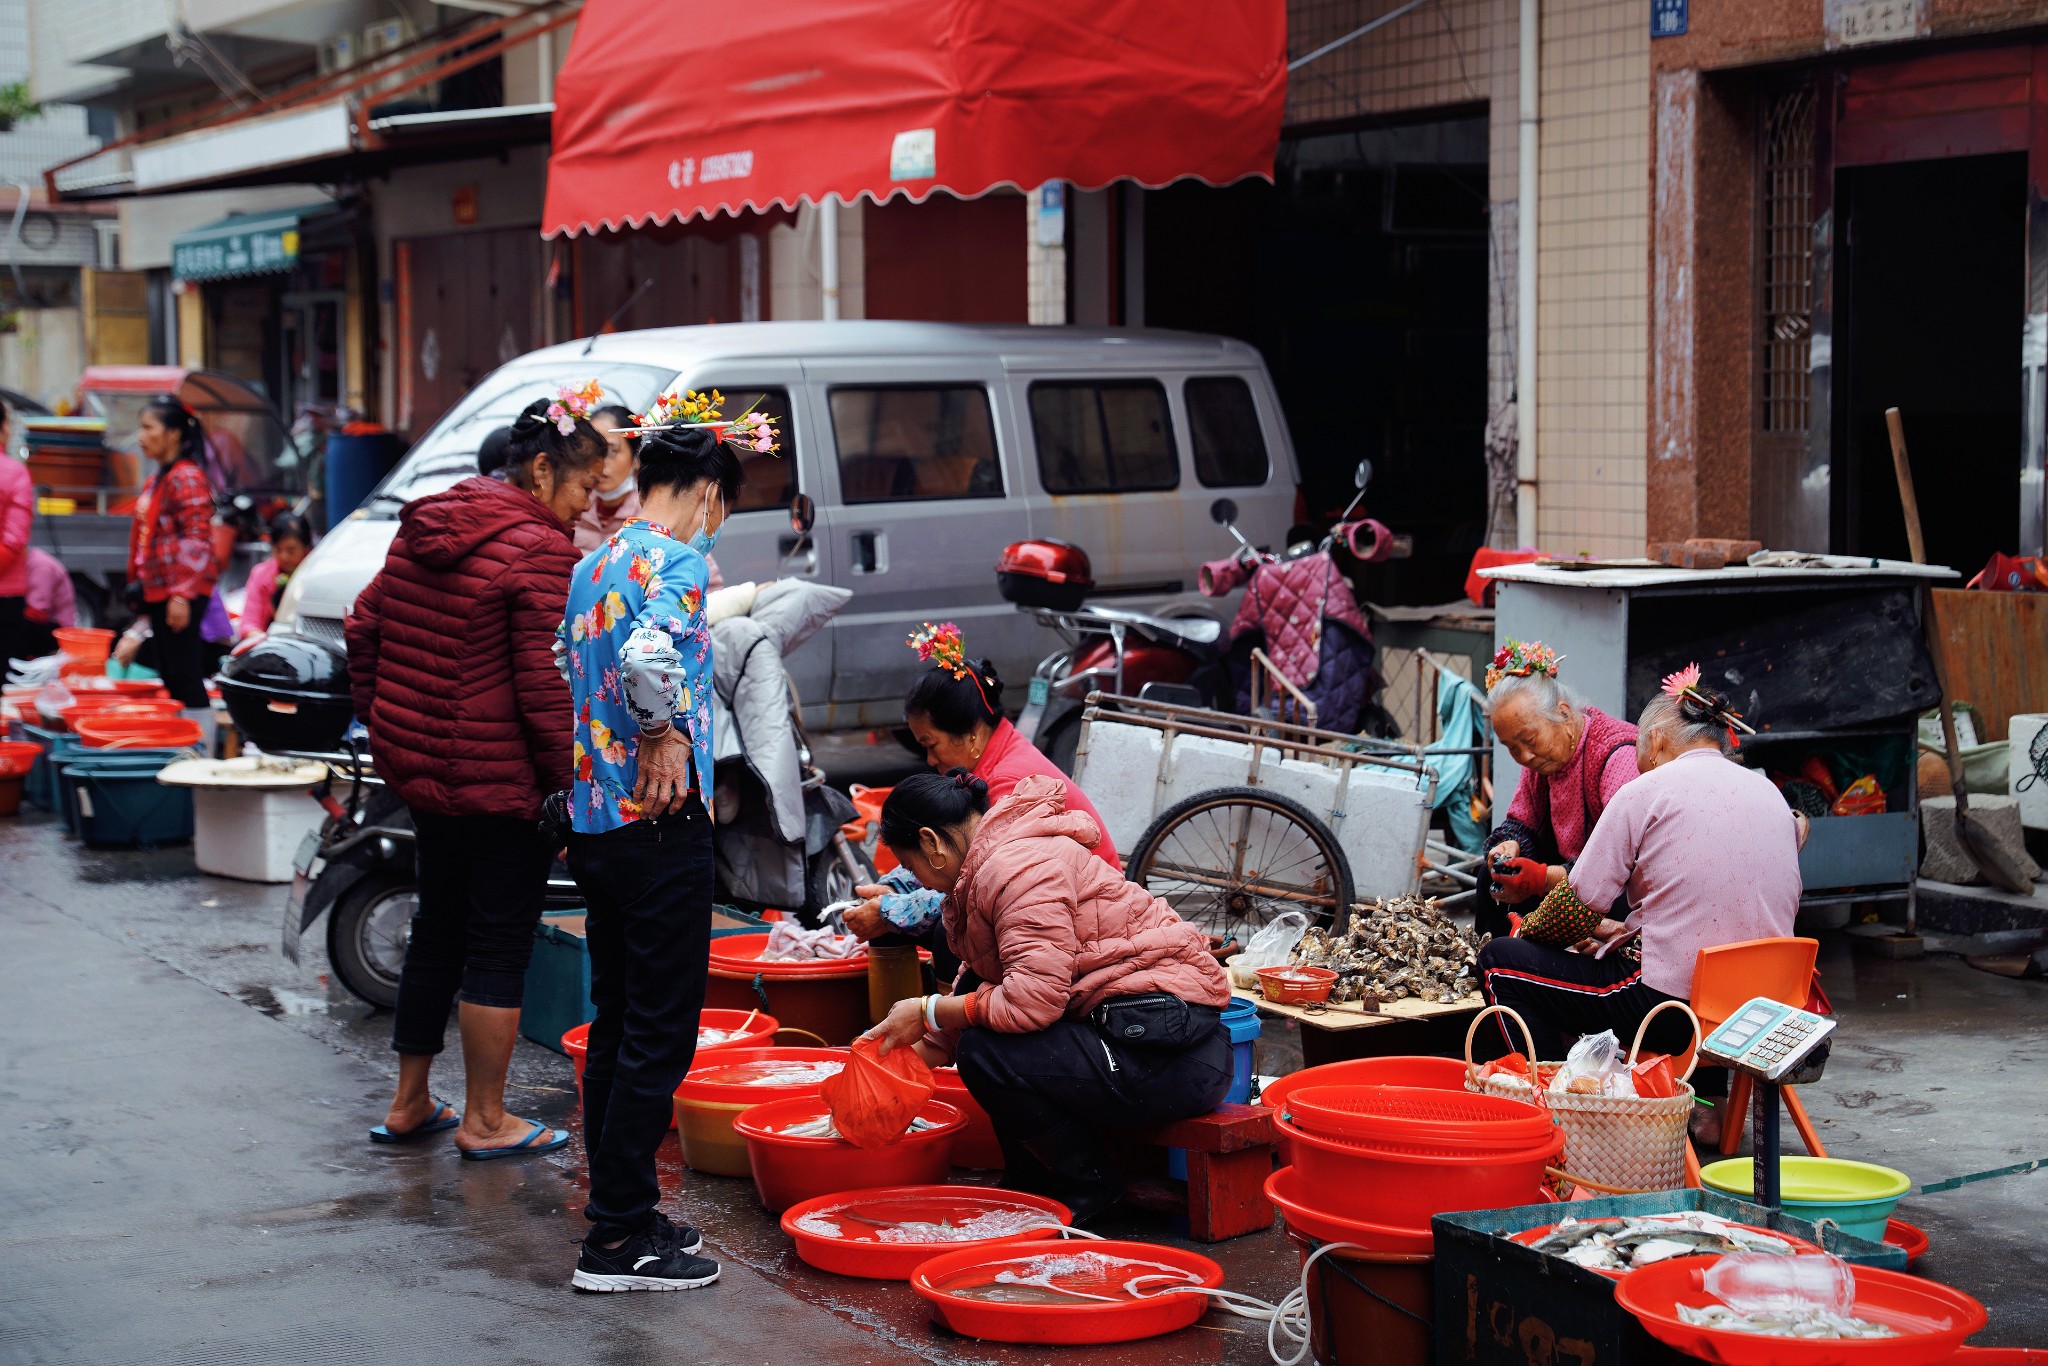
681 1237
645 1261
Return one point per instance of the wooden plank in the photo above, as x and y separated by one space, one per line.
1994 652
1348 1015
1227 1194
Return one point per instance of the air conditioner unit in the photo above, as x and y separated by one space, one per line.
386 34
337 53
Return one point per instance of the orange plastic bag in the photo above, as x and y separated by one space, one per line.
1861 798
873 1099
1653 1077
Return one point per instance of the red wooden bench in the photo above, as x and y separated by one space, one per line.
1230 1155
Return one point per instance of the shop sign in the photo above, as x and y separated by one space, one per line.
1852 23
264 252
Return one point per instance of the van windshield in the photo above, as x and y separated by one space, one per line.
446 455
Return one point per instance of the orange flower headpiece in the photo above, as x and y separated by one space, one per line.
1684 688
1522 659
943 647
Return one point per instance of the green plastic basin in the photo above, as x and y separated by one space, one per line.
1858 1196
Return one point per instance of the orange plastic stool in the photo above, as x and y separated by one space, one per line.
1728 977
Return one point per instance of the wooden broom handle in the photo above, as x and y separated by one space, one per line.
1907 499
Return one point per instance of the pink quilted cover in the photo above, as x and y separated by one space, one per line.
1287 602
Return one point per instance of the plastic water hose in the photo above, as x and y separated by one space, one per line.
1288 1320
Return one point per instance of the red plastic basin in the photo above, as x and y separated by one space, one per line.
977 1146
1932 1320
941 1279
789 1170
1406 1190
858 1249
1438 1074
142 732
1455 1121
1305 1213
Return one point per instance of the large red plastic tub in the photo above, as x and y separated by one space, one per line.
1407 1190
951 1282
848 1233
1306 1214
142 732
1455 1122
1438 1074
1932 1320
977 1147
789 1170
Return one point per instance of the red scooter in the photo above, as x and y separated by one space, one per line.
1107 649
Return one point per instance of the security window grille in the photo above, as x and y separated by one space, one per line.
1787 250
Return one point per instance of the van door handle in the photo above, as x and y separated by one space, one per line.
870 552
808 564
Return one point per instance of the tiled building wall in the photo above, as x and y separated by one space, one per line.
1594 286
1593 292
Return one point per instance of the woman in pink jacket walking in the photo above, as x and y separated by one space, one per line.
1081 995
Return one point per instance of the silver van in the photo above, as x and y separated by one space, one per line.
927 447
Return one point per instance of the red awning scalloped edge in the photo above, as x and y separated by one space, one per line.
876 99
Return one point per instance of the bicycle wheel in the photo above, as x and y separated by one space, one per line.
1230 860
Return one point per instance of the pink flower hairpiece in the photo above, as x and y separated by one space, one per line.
751 431
1685 684
1522 659
574 403
942 645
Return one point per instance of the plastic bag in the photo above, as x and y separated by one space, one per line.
790 942
1596 1066
1273 946
874 1099
1861 798
1653 1077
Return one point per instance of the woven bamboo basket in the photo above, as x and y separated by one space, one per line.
1612 1144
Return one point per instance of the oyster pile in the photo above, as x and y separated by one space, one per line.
1392 949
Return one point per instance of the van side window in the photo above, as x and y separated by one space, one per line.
1230 450
1103 438
905 444
770 479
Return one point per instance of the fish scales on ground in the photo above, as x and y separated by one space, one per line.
1396 948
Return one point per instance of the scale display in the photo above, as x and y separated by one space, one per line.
1767 1038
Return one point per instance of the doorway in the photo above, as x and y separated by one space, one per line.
1930 302
312 361
1360 273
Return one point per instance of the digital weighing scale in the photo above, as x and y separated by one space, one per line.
1776 1045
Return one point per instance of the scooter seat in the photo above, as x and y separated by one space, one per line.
1184 631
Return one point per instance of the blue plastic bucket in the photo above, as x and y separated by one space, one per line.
1241 1018
116 802
41 787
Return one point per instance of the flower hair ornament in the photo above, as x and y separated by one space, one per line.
752 432
573 404
1696 704
1522 659
943 647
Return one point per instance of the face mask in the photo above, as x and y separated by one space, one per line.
704 540
615 495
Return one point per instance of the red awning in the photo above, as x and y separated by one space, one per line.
666 111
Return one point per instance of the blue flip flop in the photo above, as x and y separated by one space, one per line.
440 1123
541 1140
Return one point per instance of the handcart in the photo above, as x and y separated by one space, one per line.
1234 820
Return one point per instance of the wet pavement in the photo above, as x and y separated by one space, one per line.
186 1179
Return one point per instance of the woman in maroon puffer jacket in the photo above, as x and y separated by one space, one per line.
450 655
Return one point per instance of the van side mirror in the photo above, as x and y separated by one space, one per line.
803 514
1223 511
1362 475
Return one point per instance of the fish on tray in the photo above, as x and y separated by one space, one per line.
1617 1245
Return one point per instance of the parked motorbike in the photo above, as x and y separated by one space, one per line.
1108 649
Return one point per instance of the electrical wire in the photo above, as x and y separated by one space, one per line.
1288 1319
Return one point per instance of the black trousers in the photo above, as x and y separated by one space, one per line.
1565 995
14 632
1046 1092
483 881
178 656
649 887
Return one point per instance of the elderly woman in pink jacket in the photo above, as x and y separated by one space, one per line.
1083 999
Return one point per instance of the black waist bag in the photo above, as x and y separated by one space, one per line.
1156 1019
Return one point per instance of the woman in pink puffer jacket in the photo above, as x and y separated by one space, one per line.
1081 995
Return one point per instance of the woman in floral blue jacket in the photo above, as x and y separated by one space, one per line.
637 652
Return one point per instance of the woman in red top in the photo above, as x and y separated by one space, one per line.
170 546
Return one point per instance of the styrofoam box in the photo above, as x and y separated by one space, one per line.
1381 828
251 833
2034 798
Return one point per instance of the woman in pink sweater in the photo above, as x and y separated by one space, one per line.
1081 994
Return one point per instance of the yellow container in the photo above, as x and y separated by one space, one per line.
709 1143
56 507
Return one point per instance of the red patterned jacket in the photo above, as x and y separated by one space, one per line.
170 542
